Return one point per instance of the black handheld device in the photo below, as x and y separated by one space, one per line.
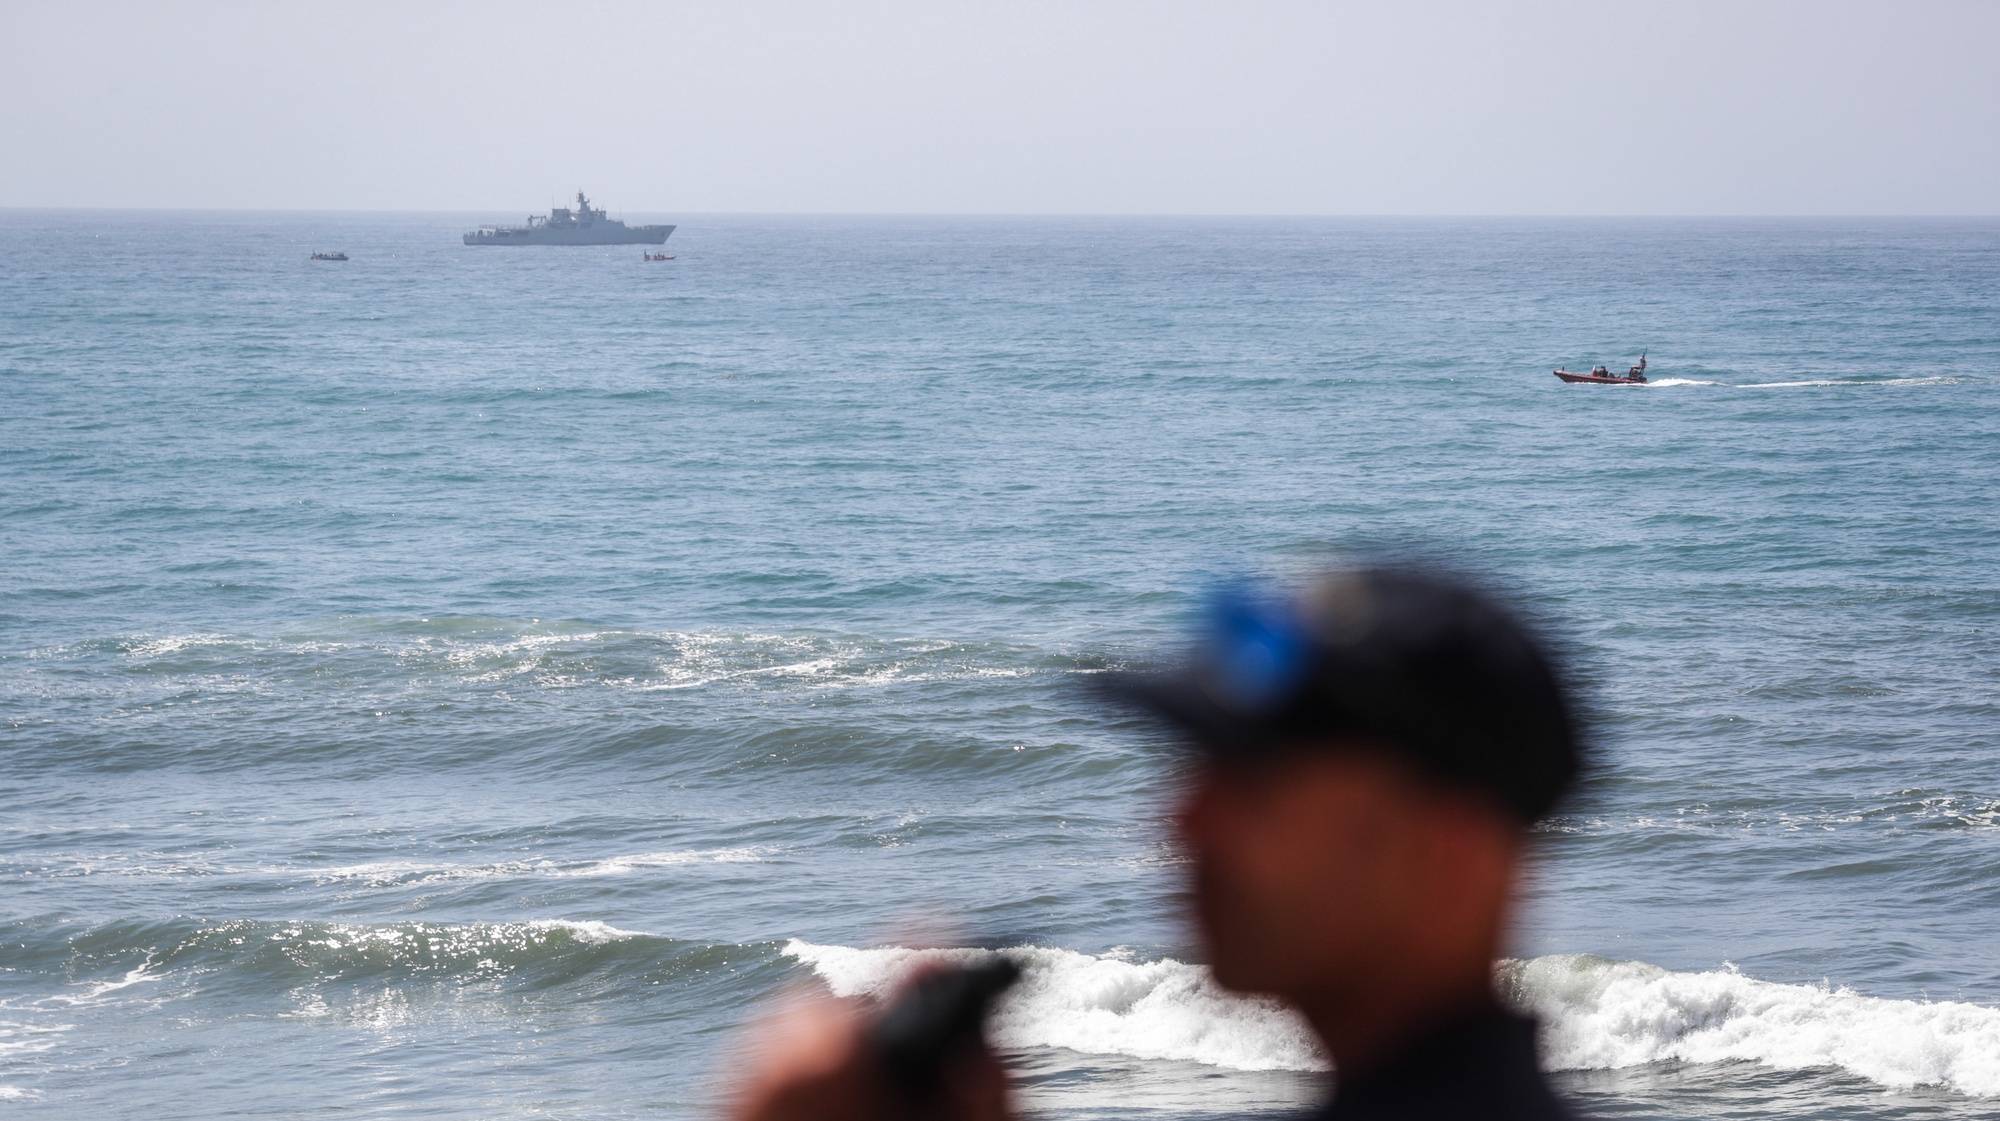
935 1017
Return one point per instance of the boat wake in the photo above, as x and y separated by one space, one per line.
1805 383
1831 383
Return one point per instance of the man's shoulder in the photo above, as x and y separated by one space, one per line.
1450 1104
1481 1067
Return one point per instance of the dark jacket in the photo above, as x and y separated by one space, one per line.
1478 1067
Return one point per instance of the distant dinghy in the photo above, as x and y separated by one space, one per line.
334 256
584 225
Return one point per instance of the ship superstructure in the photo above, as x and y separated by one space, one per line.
583 225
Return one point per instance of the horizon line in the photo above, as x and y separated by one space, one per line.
1461 215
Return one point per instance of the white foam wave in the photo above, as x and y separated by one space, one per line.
560 656
1952 809
94 991
466 653
28 1039
377 873
17 1094
387 873
584 930
1915 807
468 936
1099 1005
624 865
162 645
1596 1014
139 865
704 660
1601 1014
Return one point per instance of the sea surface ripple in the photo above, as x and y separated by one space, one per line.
461 683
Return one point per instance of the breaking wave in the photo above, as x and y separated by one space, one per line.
1597 1014
1601 1014
177 956
388 873
1100 1005
411 694
1914 808
555 654
374 873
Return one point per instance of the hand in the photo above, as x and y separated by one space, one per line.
810 1062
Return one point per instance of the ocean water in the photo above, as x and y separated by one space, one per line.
462 683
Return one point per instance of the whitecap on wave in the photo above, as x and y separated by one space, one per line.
94 992
1100 1005
385 873
374 873
552 655
17 1038
1600 1014
1596 1014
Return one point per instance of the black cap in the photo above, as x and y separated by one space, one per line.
1409 660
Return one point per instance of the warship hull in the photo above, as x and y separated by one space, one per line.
600 234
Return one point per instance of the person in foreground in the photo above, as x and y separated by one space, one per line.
1368 758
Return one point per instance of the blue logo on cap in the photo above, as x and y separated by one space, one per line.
1257 648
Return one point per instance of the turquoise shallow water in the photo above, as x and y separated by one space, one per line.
458 682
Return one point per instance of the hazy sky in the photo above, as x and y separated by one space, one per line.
1022 107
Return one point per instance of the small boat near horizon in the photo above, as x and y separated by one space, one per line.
1600 375
334 256
658 256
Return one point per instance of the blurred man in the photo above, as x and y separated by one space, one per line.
1368 759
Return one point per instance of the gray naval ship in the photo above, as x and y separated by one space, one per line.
585 225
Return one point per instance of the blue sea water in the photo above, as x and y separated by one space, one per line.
461 683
